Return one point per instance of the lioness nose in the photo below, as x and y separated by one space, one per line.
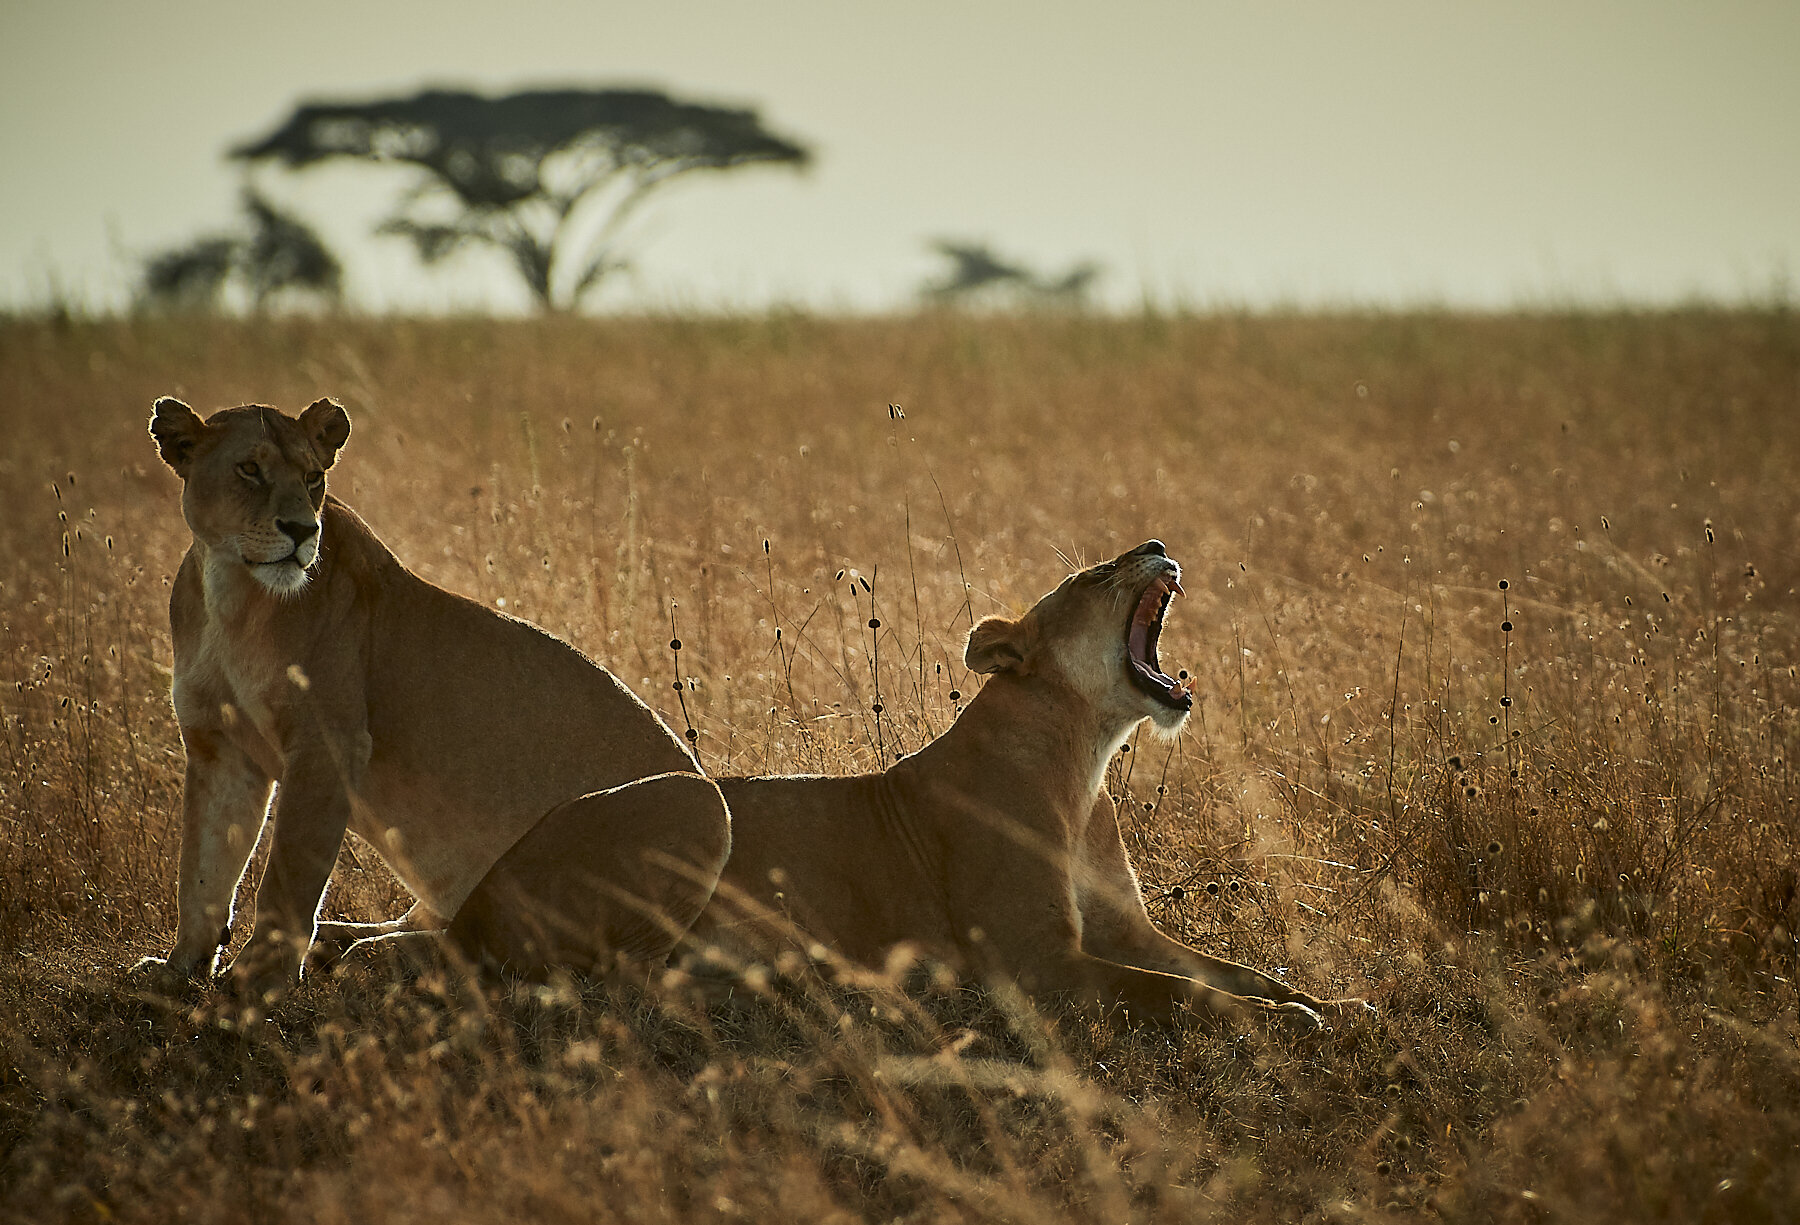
299 533
1149 547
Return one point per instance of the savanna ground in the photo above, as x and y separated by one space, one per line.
1495 621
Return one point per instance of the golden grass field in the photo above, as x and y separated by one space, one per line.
1561 858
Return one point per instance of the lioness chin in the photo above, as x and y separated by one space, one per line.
995 845
438 729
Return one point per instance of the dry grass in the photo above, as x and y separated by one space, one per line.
1560 856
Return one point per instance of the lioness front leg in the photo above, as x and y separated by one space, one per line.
1149 949
312 810
1116 927
1151 996
1124 933
1032 932
225 800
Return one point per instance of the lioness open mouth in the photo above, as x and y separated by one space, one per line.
1140 645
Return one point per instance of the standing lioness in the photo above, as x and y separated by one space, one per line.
995 844
440 730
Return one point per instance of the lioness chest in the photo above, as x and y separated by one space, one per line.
240 671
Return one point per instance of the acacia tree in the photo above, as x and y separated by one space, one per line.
276 254
547 176
976 270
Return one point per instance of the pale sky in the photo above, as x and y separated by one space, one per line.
1310 154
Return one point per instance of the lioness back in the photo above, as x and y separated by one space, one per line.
461 699
809 851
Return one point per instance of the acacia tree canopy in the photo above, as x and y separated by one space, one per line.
548 176
976 269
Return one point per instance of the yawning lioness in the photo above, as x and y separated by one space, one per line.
996 845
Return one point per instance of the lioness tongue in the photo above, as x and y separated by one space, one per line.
1137 641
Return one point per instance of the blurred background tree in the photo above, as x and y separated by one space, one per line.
549 177
274 255
977 274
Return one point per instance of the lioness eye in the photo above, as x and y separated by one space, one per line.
314 479
249 471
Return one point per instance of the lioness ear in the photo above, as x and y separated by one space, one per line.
177 429
995 644
328 425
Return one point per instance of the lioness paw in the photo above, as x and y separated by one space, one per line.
1354 1011
158 975
264 971
1298 1017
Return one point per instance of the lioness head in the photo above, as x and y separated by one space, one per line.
253 480
1097 633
